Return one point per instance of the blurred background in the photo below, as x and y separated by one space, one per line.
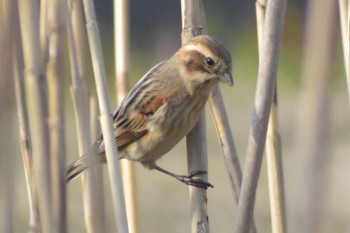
155 34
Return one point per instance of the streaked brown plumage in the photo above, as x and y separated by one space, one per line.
164 106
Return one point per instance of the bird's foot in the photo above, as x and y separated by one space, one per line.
189 180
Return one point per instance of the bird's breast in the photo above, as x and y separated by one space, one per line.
167 127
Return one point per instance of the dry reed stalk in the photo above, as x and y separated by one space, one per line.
275 172
226 139
105 117
44 5
37 109
122 57
94 123
92 182
7 165
23 125
24 137
345 24
263 100
273 146
7 172
227 143
56 28
193 24
313 121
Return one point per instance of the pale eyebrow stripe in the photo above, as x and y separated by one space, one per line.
191 47
199 48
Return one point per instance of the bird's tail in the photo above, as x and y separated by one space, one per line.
80 165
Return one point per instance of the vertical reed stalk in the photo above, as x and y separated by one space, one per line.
345 31
313 120
275 172
44 5
37 109
23 125
226 138
24 137
7 172
92 182
227 143
267 75
55 73
273 146
193 24
106 119
6 90
122 57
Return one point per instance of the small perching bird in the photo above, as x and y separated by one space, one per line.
164 106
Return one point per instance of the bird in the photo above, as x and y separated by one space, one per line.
163 107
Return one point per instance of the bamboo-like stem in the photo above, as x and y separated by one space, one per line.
92 182
44 6
197 160
6 90
273 146
98 205
313 121
94 124
24 137
55 73
193 24
106 119
345 31
7 192
263 100
122 58
122 47
37 109
23 125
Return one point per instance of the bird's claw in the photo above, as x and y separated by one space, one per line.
189 180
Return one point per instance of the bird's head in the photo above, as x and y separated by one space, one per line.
204 62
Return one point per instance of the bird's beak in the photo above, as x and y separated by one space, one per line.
226 78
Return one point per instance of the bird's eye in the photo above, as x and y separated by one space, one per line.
209 61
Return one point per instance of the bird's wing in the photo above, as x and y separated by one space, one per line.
132 117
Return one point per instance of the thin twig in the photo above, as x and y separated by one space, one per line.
263 100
